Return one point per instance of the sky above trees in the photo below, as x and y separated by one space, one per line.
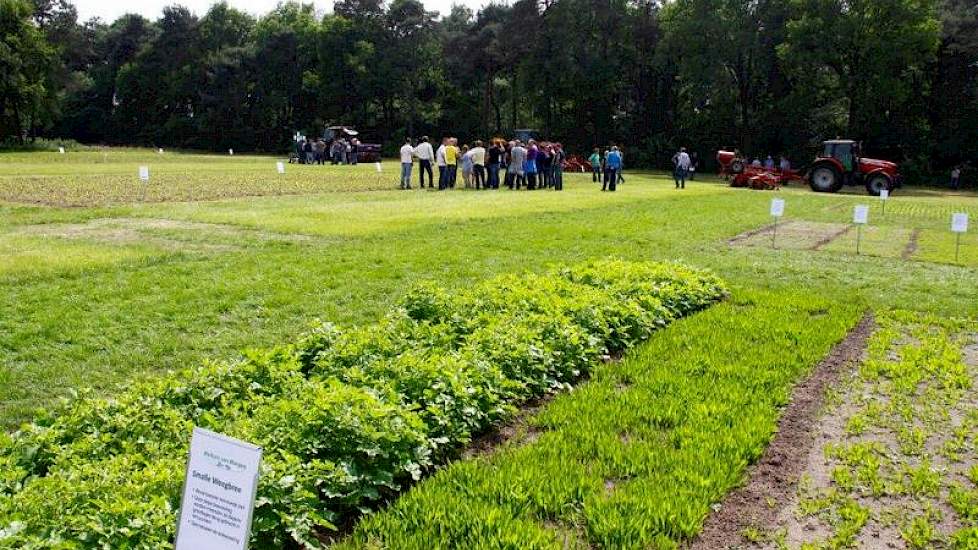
110 10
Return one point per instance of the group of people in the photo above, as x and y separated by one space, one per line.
532 165
340 151
607 167
783 165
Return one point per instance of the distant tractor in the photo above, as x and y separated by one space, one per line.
366 152
840 164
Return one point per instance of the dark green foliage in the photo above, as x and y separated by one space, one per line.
768 77
346 419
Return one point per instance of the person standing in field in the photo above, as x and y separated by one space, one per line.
320 152
425 157
681 162
614 163
558 167
442 166
353 151
467 165
507 163
956 178
495 157
479 166
530 165
545 166
451 161
784 165
621 170
769 163
407 162
517 156
595 161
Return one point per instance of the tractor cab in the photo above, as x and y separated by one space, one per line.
846 152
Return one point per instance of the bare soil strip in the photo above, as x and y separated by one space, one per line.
775 476
829 238
911 248
748 234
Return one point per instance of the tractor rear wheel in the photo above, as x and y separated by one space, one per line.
824 178
876 183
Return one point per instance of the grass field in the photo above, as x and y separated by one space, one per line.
100 287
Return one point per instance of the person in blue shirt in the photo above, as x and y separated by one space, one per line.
613 162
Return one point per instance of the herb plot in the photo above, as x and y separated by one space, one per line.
346 418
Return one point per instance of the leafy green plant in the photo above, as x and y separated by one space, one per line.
346 419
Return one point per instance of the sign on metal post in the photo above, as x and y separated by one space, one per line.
231 152
884 196
777 211
379 168
280 166
218 493
959 225
860 217
144 177
61 150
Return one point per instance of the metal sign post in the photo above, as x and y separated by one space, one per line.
860 217
959 225
777 210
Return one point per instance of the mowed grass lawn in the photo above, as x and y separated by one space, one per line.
96 296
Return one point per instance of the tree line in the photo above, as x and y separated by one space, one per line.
765 76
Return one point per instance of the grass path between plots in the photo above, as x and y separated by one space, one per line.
635 457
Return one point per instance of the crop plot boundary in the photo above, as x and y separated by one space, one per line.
775 475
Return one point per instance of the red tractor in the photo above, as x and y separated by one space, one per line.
840 164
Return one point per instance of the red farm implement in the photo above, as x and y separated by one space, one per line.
742 174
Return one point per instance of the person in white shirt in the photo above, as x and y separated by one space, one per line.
442 164
681 161
517 156
479 165
425 155
407 162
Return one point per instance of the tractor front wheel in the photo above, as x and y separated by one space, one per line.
824 178
737 166
876 183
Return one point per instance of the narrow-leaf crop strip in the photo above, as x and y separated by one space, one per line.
346 418
635 457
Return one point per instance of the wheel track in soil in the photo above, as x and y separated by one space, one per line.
775 475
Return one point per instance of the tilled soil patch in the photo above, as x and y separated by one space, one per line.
774 478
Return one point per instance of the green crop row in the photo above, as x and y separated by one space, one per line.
346 418
636 457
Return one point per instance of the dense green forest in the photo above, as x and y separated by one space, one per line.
767 76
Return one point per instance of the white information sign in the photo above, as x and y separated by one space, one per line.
231 152
861 214
379 169
218 493
144 173
61 150
777 207
959 222
280 166
884 194
161 150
